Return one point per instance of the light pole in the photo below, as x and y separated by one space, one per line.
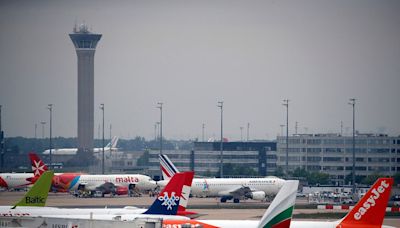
102 142
160 104
43 123
1 144
248 131
50 108
202 132
286 104
241 134
35 130
353 103
221 174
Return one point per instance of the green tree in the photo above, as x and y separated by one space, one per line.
318 178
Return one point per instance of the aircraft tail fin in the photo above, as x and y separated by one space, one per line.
167 167
370 210
114 142
169 198
38 166
279 213
37 195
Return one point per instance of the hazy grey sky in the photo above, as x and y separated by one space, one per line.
191 54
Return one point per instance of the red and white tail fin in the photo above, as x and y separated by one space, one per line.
38 166
168 169
168 201
185 197
370 210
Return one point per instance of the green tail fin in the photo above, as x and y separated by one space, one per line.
37 195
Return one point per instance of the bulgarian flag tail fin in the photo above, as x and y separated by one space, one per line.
279 213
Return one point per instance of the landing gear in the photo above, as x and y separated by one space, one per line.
236 200
223 199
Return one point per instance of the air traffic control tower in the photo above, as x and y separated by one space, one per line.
85 44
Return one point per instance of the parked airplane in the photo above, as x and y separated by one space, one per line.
164 206
111 146
16 180
368 212
278 214
226 188
120 184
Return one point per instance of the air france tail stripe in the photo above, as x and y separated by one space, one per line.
166 169
169 164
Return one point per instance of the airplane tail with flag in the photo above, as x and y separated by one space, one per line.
112 144
279 212
370 210
167 167
38 166
37 195
169 199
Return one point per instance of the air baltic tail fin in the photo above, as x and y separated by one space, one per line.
168 200
37 195
167 167
370 210
38 166
279 213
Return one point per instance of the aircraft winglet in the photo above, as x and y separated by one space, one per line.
279 212
370 210
168 200
37 195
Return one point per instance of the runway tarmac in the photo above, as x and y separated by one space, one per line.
210 208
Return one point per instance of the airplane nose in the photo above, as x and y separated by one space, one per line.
3 183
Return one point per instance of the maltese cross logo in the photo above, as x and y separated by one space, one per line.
37 168
169 201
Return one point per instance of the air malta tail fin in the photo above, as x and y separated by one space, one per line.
167 167
38 166
279 213
168 200
370 210
37 195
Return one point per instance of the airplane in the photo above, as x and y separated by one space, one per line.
226 188
16 180
111 146
368 212
120 184
165 205
278 214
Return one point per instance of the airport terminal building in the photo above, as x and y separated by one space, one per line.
204 158
333 154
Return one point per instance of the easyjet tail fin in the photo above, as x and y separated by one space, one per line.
279 213
370 210
167 167
169 198
37 195
38 166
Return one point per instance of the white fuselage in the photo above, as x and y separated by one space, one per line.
255 224
91 182
16 180
127 213
223 186
74 151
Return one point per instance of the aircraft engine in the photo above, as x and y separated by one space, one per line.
257 195
122 190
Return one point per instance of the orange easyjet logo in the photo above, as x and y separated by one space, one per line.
371 200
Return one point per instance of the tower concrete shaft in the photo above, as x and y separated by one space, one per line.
85 44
